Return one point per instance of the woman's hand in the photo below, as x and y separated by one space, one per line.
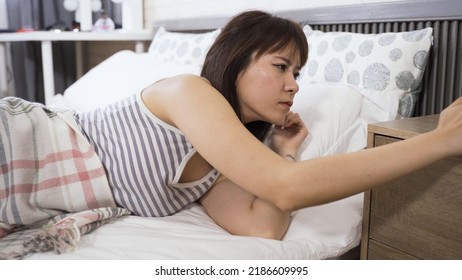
450 123
287 138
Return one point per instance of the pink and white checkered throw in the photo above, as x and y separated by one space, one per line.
53 187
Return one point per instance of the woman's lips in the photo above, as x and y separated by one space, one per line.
287 103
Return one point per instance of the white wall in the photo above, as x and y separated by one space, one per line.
3 59
178 9
3 15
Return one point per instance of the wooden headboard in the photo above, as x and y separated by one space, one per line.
442 79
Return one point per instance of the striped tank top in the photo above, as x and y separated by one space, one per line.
144 158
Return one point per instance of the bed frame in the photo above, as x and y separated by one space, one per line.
442 78
441 83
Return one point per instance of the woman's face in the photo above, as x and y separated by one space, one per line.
266 88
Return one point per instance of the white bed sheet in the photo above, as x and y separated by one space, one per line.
320 232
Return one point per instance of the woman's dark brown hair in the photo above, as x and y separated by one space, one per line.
249 33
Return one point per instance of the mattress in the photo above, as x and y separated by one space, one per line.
321 232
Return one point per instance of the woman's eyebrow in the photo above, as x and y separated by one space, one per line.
288 61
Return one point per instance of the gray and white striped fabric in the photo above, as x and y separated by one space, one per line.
143 157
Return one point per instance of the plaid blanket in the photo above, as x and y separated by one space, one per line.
53 187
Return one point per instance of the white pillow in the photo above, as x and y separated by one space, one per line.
121 75
182 48
332 114
386 68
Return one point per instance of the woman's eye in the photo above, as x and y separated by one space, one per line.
296 76
282 67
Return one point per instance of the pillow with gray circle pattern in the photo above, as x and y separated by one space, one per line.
386 68
182 48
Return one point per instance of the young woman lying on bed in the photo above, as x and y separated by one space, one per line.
147 143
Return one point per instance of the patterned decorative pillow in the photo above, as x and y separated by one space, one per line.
182 48
386 68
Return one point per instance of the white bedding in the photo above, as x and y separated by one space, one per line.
321 232
123 74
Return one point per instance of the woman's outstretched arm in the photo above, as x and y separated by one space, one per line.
208 121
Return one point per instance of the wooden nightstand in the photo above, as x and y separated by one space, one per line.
418 216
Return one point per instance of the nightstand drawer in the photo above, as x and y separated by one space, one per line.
421 213
379 251
380 140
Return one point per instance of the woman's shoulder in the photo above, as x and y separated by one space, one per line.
178 87
180 81
173 97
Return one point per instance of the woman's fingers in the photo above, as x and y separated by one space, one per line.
292 119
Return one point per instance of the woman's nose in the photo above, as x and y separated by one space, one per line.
291 84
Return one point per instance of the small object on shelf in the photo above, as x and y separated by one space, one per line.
83 12
104 23
25 29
